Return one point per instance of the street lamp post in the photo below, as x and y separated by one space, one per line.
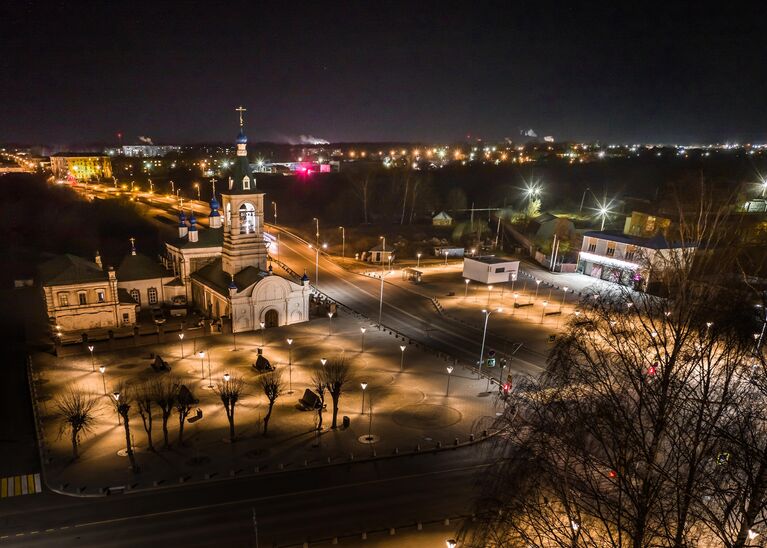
446 258
116 396
449 369
482 348
330 324
402 357
489 291
380 299
102 370
290 366
316 231
537 287
418 263
263 325
362 343
543 309
93 363
516 296
197 187
564 295
363 385
323 361
210 379
201 355
466 291
343 242
181 341
274 206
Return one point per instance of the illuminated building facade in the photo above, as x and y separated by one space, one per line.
81 166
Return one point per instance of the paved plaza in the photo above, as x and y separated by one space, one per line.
410 408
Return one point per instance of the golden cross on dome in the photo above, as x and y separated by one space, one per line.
240 109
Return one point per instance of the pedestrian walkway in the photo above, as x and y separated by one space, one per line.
26 484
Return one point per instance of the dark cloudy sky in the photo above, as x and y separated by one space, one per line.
611 71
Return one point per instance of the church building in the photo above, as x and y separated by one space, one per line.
224 268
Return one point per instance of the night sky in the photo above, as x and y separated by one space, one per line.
78 72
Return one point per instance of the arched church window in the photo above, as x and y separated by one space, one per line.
247 218
246 183
152 295
135 295
229 214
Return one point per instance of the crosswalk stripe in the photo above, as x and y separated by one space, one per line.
38 484
25 484
16 485
31 483
4 488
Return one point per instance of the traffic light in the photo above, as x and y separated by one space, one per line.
491 358
506 388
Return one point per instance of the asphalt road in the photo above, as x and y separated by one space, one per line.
290 507
403 310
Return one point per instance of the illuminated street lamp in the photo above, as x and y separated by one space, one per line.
449 370
181 340
227 377
343 241
543 309
489 290
316 231
363 385
330 324
93 363
274 207
290 366
451 543
445 258
362 343
201 355
418 263
516 296
466 291
402 357
116 396
537 287
323 361
197 187
102 370
564 295
484 336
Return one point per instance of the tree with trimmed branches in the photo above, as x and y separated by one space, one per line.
185 402
230 391
123 401
319 385
144 398
76 411
335 374
272 386
164 393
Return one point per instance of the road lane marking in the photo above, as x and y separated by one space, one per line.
278 496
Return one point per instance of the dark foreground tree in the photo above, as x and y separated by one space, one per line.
271 385
639 433
318 383
76 413
144 397
230 391
124 399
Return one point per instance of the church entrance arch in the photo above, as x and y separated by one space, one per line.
271 318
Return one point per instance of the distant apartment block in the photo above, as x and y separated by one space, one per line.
81 166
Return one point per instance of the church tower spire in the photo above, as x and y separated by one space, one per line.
244 209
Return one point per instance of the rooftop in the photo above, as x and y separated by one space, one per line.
211 237
68 269
490 259
140 267
656 242
213 276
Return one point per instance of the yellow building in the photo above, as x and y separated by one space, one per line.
81 166
645 225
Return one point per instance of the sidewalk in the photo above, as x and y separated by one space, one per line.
409 409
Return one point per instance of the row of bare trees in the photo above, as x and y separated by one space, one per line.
77 410
649 427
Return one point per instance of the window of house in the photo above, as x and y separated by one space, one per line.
500 269
135 295
246 183
592 246
630 252
101 295
126 317
63 299
610 249
82 298
152 294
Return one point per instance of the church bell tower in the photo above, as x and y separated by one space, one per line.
244 214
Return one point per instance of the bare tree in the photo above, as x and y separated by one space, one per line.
164 393
230 392
184 403
619 441
319 385
335 374
144 397
271 385
76 411
123 401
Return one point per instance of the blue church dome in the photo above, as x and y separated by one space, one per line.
192 222
241 139
181 219
214 207
305 278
